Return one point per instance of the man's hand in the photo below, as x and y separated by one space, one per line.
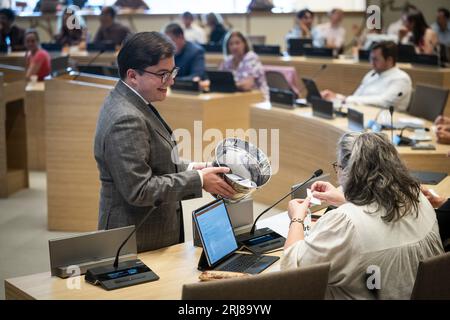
328 94
214 184
325 191
435 200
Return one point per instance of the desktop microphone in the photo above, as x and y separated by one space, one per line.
262 240
374 125
122 274
91 62
391 111
400 140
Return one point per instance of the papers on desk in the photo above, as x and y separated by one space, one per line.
280 224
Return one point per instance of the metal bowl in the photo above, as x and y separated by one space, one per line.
249 167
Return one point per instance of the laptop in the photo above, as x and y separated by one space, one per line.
355 120
220 245
406 53
267 50
319 52
101 46
221 81
51 47
188 86
296 47
364 55
311 86
426 59
322 108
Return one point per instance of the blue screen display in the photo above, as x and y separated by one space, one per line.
216 231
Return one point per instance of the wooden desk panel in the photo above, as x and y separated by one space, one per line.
35 113
175 265
13 140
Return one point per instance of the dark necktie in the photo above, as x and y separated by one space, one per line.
169 130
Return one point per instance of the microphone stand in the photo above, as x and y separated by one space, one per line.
91 62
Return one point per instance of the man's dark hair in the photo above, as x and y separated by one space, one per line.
10 15
174 29
110 10
142 50
302 13
187 15
445 11
388 49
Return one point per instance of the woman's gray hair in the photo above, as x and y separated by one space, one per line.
372 173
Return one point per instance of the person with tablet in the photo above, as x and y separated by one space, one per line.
382 228
383 86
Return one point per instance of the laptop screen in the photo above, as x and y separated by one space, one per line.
215 231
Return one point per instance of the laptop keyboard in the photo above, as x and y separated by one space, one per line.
241 263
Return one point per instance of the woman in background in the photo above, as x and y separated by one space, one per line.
423 37
38 60
245 64
72 29
383 222
215 23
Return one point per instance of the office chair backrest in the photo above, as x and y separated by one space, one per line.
428 102
433 279
301 283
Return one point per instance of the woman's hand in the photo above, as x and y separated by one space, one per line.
246 84
435 200
325 191
298 208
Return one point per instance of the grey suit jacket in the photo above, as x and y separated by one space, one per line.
133 150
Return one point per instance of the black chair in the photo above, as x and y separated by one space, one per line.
433 279
428 102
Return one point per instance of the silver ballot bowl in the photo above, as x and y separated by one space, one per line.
249 167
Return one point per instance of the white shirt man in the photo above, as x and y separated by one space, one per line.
195 34
384 86
330 34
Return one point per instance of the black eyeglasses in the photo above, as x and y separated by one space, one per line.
336 166
166 75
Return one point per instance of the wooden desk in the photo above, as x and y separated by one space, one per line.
344 76
13 138
72 109
175 265
308 143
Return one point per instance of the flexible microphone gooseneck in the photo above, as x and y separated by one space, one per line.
316 174
391 111
91 62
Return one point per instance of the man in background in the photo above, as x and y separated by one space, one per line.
192 31
110 30
384 86
442 26
303 25
330 34
189 57
10 34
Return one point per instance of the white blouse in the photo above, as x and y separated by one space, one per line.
356 243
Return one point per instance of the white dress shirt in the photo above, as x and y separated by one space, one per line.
324 33
192 164
354 239
382 90
195 34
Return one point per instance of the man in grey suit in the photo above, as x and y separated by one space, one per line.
136 155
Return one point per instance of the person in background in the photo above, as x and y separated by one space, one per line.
110 30
131 4
245 64
442 26
422 36
443 129
215 23
72 29
303 25
382 85
38 61
330 34
189 57
192 31
382 219
442 208
395 27
9 32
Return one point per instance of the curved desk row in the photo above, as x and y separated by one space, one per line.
308 143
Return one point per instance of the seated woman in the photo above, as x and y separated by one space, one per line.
72 30
418 33
38 61
382 227
245 64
